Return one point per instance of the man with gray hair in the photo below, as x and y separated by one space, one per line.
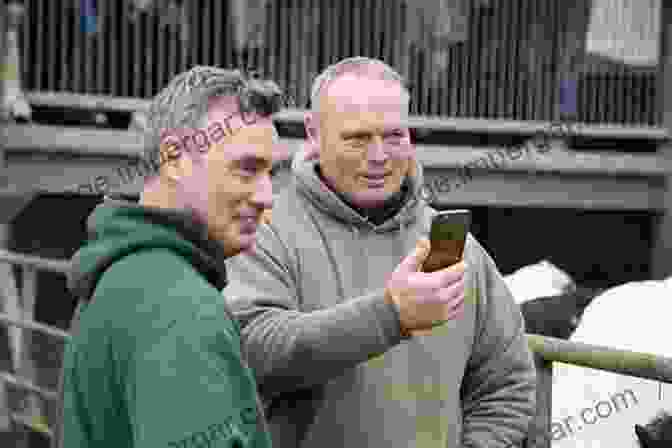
337 319
155 357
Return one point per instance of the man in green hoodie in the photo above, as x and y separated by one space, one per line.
155 357
335 317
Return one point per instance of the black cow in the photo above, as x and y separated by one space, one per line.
557 316
657 433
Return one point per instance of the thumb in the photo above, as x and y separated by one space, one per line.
415 259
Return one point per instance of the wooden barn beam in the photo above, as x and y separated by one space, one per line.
56 159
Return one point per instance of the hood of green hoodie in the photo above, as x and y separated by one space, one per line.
309 184
118 228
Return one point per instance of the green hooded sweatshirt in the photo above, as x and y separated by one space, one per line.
155 357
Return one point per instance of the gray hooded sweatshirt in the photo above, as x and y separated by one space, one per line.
325 346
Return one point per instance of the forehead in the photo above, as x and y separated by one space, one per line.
258 140
351 93
361 100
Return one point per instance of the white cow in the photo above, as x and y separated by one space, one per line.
594 408
542 279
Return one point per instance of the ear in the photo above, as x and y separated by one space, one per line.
172 164
311 123
645 439
312 145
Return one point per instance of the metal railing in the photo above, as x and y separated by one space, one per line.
547 350
501 59
20 317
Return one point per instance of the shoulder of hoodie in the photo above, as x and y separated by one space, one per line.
135 301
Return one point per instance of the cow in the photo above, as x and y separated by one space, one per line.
550 300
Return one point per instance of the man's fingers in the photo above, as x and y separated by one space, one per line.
451 274
415 259
452 292
444 295
456 308
446 276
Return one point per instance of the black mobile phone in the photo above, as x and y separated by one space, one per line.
447 235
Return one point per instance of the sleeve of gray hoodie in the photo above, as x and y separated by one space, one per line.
290 349
499 386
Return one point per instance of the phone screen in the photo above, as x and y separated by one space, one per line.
447 236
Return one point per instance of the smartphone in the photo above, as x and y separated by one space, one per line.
447 235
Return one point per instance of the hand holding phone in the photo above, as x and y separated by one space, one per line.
428 300
447 237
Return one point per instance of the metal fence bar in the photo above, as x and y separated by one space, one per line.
5 318
52 54
5 406
471 64
46 264
136 81
32 424
148 59
124 89
26 367
111 20
272 35
9 291
522 50
540 427
206 16
501 64
88 39
624 362
25 69
22 383
218 29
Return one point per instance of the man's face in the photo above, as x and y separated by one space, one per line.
365 149
229 184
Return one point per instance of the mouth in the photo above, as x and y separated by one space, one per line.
249 223
375 180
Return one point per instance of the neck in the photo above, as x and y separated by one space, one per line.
376 214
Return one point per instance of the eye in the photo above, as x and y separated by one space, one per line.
394 138
248 168
356 141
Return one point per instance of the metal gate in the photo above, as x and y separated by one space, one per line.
513 59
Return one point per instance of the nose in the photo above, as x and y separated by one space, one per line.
376 151
263 192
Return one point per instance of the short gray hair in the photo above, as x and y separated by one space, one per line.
360 65
183 103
